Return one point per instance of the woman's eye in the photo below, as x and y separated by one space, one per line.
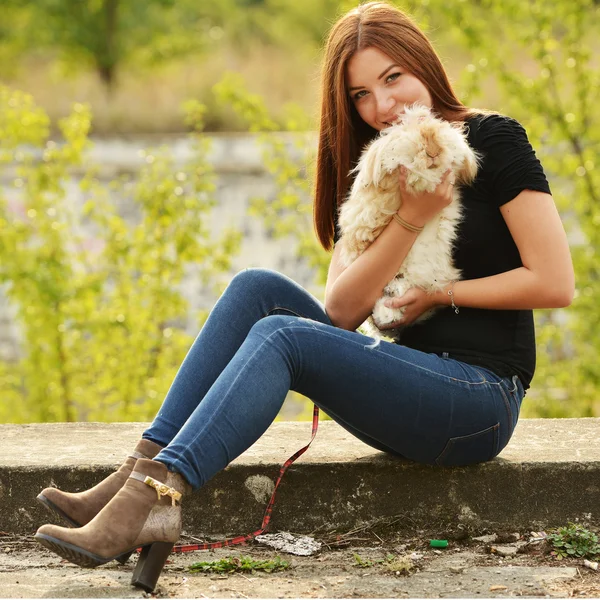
388 79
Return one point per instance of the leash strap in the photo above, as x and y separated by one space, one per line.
241 539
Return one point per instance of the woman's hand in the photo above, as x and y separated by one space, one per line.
420 208
415 302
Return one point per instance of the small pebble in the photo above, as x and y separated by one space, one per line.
505 550
487 539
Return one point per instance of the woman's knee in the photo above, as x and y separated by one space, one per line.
281 324
253 279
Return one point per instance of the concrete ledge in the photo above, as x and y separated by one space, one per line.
549 474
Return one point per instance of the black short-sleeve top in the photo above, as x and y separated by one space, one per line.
500 340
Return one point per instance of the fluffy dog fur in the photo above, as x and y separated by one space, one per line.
428 146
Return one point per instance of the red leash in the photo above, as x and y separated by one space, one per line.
241 539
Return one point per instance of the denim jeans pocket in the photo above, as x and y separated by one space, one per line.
468 449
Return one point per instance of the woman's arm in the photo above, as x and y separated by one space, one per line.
546 279
351 293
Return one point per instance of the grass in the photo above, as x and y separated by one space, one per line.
399 565
241 564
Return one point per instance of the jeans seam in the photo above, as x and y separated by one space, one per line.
508 409
448 377
442 374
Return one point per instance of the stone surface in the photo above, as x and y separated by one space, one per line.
505 550
466 573
548 475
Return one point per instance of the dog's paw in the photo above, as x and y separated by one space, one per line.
370 328
384 315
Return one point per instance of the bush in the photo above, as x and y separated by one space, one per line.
101 321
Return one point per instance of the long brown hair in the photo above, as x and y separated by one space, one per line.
342 133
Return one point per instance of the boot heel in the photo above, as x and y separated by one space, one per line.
150 564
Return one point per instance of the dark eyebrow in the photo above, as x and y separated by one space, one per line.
362 86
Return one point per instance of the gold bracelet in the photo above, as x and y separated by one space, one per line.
406 225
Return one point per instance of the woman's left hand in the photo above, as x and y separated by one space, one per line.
416 301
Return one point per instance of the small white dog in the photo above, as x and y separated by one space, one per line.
428 146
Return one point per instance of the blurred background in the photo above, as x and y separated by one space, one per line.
151 149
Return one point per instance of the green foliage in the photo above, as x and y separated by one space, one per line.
101 319
574 541
399 565
15 18
21 122
289 158
308 20
105 34
363 563
242 564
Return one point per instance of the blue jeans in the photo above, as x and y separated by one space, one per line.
266 335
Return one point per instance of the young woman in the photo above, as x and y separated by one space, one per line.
448 393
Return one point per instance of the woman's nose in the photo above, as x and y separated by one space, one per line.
385 104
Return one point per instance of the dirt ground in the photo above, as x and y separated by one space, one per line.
391 565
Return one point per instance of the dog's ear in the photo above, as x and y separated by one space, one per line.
362 171
468 169
372 167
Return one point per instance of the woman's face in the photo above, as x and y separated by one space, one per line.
380 89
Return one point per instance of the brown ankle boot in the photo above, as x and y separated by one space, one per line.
144 513
80 508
